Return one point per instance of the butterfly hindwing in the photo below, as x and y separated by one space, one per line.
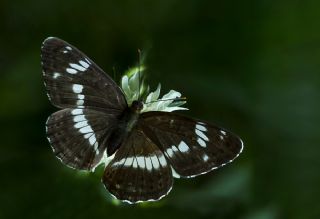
78 136
139 170
73 80
192 147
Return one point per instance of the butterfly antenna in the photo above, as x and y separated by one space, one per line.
175 99
139 74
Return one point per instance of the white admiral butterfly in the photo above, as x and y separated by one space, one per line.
148 147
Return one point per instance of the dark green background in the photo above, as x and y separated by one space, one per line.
250 66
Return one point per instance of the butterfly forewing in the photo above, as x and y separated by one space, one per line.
192 147
73 80
139 170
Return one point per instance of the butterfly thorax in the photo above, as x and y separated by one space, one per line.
132 114
127 121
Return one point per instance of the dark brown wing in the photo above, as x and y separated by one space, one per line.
139 171
191 146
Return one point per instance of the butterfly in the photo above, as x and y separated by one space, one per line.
148 149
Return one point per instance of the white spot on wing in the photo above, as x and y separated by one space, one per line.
81 124
148 163
79 118
84 64
135 163
155 162
202 135
77 88
92 140
122 161
169 152
80 96
71 71
163 161
68 48
86 129
221 137
205 157
56 75
78 67
80 102
96 148
96 145
201 127
87 60
77 112
174 173
201 142
174 148
223 132
183 147
141 162
88 135
128 162
119 163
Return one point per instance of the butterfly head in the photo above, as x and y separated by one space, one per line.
137 106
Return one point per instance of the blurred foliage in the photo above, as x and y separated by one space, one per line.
250 66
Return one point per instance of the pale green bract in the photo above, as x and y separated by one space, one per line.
130 87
